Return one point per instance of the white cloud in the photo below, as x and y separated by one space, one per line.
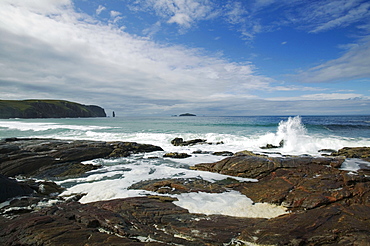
184 13
338 14
295 88
354 64
100 9
114 14
235 13
41 6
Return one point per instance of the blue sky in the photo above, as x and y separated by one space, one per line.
208 57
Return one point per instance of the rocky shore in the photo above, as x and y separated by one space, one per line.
327 205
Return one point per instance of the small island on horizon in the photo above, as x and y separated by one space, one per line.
36 108
187 114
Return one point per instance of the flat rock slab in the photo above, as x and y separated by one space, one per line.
45 158
131 221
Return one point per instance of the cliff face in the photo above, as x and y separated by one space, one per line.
47 109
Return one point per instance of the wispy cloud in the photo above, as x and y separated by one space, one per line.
337 14
235 13
184 13
252 17
100 9
354 64
322 96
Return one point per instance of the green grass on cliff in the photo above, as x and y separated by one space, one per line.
35 108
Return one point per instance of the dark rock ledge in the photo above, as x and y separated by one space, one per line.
328 206
53 158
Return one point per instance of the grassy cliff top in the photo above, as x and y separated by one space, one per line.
35 108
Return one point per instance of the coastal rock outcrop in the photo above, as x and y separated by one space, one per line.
181 142
254 166
327 205
41 158
176 155
47 109
10 188
354 152
130 221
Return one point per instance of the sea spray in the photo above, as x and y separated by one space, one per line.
291 136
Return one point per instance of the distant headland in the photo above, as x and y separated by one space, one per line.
47 109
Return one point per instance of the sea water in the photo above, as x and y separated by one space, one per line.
301 135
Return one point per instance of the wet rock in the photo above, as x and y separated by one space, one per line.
74 224
124 149
11 188
120 222
331 225
65 170
53 158
354 152
201 152
327 206
44 188
178 186
248 153
240 166
8 148
176 155
255 166
223 153
166 222
159 221
271 146
181 142
329 151
25 165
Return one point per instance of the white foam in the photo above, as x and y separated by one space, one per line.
228 203
44 126
98 188
353 164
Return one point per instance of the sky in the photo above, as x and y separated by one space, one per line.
207 57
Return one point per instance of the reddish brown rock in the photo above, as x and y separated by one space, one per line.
331 225
178 186
254 166
120 222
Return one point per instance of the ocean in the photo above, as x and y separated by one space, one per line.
302 135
